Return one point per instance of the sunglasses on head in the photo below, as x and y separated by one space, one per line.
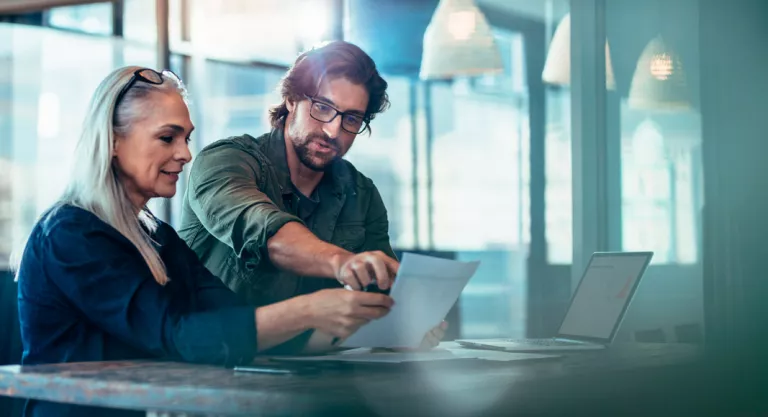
148 76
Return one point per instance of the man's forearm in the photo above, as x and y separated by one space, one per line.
296 249
280 322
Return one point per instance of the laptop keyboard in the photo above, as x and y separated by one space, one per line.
543 342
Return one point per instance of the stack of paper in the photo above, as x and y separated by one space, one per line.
445 351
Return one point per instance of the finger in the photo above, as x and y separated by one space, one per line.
370 313
393 266
353 326
372 299
350 279
444 325
381 272
350 323
437 333
428 342
361 272
338 332
433 342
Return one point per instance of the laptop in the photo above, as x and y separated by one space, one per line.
597 307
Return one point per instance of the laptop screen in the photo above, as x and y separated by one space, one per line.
603 295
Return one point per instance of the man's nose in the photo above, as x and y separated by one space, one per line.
333 128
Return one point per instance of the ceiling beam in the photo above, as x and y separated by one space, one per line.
26 6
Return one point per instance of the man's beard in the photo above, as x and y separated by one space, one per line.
301 148
305 154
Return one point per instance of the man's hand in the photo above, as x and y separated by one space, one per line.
361 269
341 312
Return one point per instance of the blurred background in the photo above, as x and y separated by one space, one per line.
586 134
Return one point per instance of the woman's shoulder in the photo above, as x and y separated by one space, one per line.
64 232
65 216
64 224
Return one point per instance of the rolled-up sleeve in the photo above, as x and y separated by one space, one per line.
104 278
224 194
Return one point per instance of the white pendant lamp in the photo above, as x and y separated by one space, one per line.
458 42
659 82
557 68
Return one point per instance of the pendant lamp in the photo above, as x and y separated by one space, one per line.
557 67
659 82
458 42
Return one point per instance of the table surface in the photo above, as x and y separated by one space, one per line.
576 382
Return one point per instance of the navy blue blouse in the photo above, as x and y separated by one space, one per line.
86 294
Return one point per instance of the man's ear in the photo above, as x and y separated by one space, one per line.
290 105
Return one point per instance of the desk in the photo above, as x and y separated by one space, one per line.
624 378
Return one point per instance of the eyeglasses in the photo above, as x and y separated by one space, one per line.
146 75
323 112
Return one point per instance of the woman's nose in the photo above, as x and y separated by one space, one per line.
183 154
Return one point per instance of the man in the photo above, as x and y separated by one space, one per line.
283 215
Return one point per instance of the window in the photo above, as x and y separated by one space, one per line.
140 21
94 18
659 190
264 30
385 157
558 214
480 185
480 157
41 116
231 100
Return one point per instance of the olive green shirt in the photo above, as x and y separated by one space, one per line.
240 194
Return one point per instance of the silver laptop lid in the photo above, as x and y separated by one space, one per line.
605 291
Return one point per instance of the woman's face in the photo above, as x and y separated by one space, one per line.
151 156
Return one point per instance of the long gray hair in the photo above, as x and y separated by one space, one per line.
94 184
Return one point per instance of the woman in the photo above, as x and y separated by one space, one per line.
102 279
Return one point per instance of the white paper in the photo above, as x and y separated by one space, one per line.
445 351
493 355
424 291
366 355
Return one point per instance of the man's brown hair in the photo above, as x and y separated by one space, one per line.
331 60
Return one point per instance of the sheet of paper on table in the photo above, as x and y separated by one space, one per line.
445 351
424 291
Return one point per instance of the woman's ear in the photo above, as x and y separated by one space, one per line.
115 144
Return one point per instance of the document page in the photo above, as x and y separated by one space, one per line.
424 291
445 351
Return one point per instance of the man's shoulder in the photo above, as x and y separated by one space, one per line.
244 142
244 150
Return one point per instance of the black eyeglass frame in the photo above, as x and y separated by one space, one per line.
138 77
363 127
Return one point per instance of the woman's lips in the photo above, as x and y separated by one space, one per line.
173 174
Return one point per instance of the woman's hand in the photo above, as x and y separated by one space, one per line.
431 339
340 312
434 336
